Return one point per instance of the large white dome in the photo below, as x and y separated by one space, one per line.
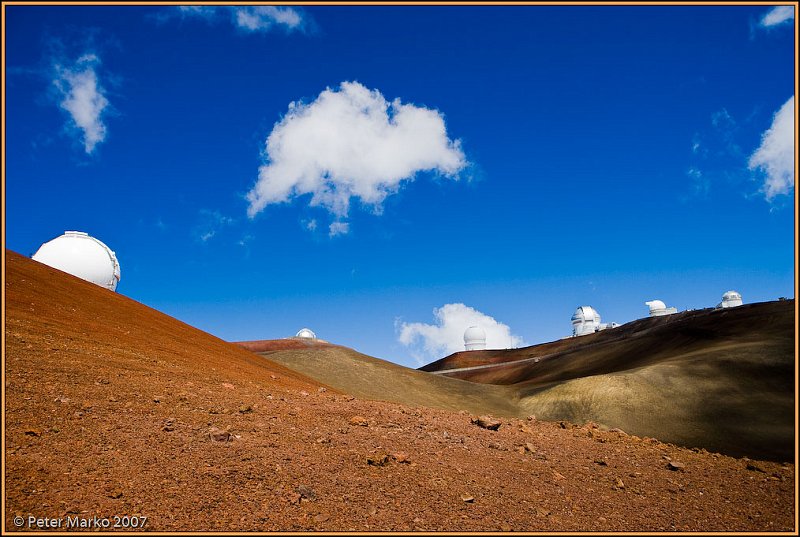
475 338
83 256
731 299
657 307
305 333
585 320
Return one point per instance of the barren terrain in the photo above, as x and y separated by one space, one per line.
112 408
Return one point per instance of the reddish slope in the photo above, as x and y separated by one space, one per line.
109 406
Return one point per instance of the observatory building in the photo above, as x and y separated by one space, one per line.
305 333
731 299
586 320
658 308
475 339
81 255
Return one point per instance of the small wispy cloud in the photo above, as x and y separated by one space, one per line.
249 19
211 223
338 228
433 341
777 15
351 144
83 98
774 158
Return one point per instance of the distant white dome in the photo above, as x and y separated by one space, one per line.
305 333
658 308
585 320
475 338
83 256
730 299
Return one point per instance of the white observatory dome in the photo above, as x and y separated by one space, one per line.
585 320
656 307
475 338
730 299
305 333
83 256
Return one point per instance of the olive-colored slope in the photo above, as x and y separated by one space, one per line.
372 378
718 379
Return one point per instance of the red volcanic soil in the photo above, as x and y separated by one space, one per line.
114 409
266 345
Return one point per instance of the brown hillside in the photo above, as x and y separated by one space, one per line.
723 379
112 408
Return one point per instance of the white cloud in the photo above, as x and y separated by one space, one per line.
338 228
211 223
775 155
83 98
248 18
778 15
446 336
351 143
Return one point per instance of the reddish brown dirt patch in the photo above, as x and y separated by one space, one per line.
115 409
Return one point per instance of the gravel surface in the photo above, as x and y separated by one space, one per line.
113 409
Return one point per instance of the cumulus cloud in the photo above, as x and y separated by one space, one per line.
446 336
775 155
338 228
778 15
83 98
351 144
248 18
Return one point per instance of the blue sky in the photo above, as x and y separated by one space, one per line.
521 161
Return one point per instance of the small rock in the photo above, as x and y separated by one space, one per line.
378 460
359 420
530 448
304 393
505 527
33 432
322 389
600 462
323 440
115 494
467 498
219 435
168 425
562 424
494 445
541 511
401 457
619 484
321 518
675 466
487 422
306 492
157 399
445 435
228 385
531 418
558 475
273 377
293 498
755 468
245 409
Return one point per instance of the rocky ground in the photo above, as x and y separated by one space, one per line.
113 409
